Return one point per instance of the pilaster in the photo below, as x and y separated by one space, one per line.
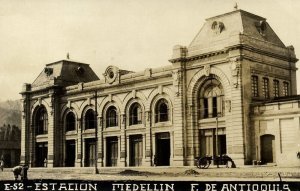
25 125
148 142
78 162
179 106
235 125
123 141
51 139
100 142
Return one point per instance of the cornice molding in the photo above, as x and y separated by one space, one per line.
235 47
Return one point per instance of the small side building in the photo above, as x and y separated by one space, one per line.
277 131
10 145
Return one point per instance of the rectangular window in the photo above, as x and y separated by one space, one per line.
139 116
205 103
254 86
276 88
214 107
265 87
285 88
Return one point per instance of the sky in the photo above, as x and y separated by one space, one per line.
130 34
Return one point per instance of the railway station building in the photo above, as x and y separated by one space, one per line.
231 91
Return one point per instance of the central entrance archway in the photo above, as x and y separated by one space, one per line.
267 145
163 149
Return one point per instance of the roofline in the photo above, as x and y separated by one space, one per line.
64 60
235 11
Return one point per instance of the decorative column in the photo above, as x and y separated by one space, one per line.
100 142
172 147
144 150
31 145
237 118
147 140
25 126
153 150
104 151
123 141
83 153
181 146
127 151
79 144
51 132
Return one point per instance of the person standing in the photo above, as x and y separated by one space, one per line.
1 164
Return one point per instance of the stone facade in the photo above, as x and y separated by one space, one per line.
200 104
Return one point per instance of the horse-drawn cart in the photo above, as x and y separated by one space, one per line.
204 162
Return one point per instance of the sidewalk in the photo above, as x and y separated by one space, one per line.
186 173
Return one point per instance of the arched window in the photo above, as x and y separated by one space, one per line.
41 121
211 99
111 117
135 114
162 111
70 122
90 119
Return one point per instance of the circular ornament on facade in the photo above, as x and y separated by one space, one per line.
111 74
217 27
262 27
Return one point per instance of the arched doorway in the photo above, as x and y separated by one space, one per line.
41 129
267 151
70 144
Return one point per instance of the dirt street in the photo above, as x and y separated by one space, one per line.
259 173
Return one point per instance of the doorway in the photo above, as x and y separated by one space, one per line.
112 151
210 145
70 153
41 152
163 149
136 150
267 145
222 145
90 152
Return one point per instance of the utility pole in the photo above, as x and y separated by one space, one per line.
217 124
217 127
96 135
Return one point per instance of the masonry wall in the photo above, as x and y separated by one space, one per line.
282 121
